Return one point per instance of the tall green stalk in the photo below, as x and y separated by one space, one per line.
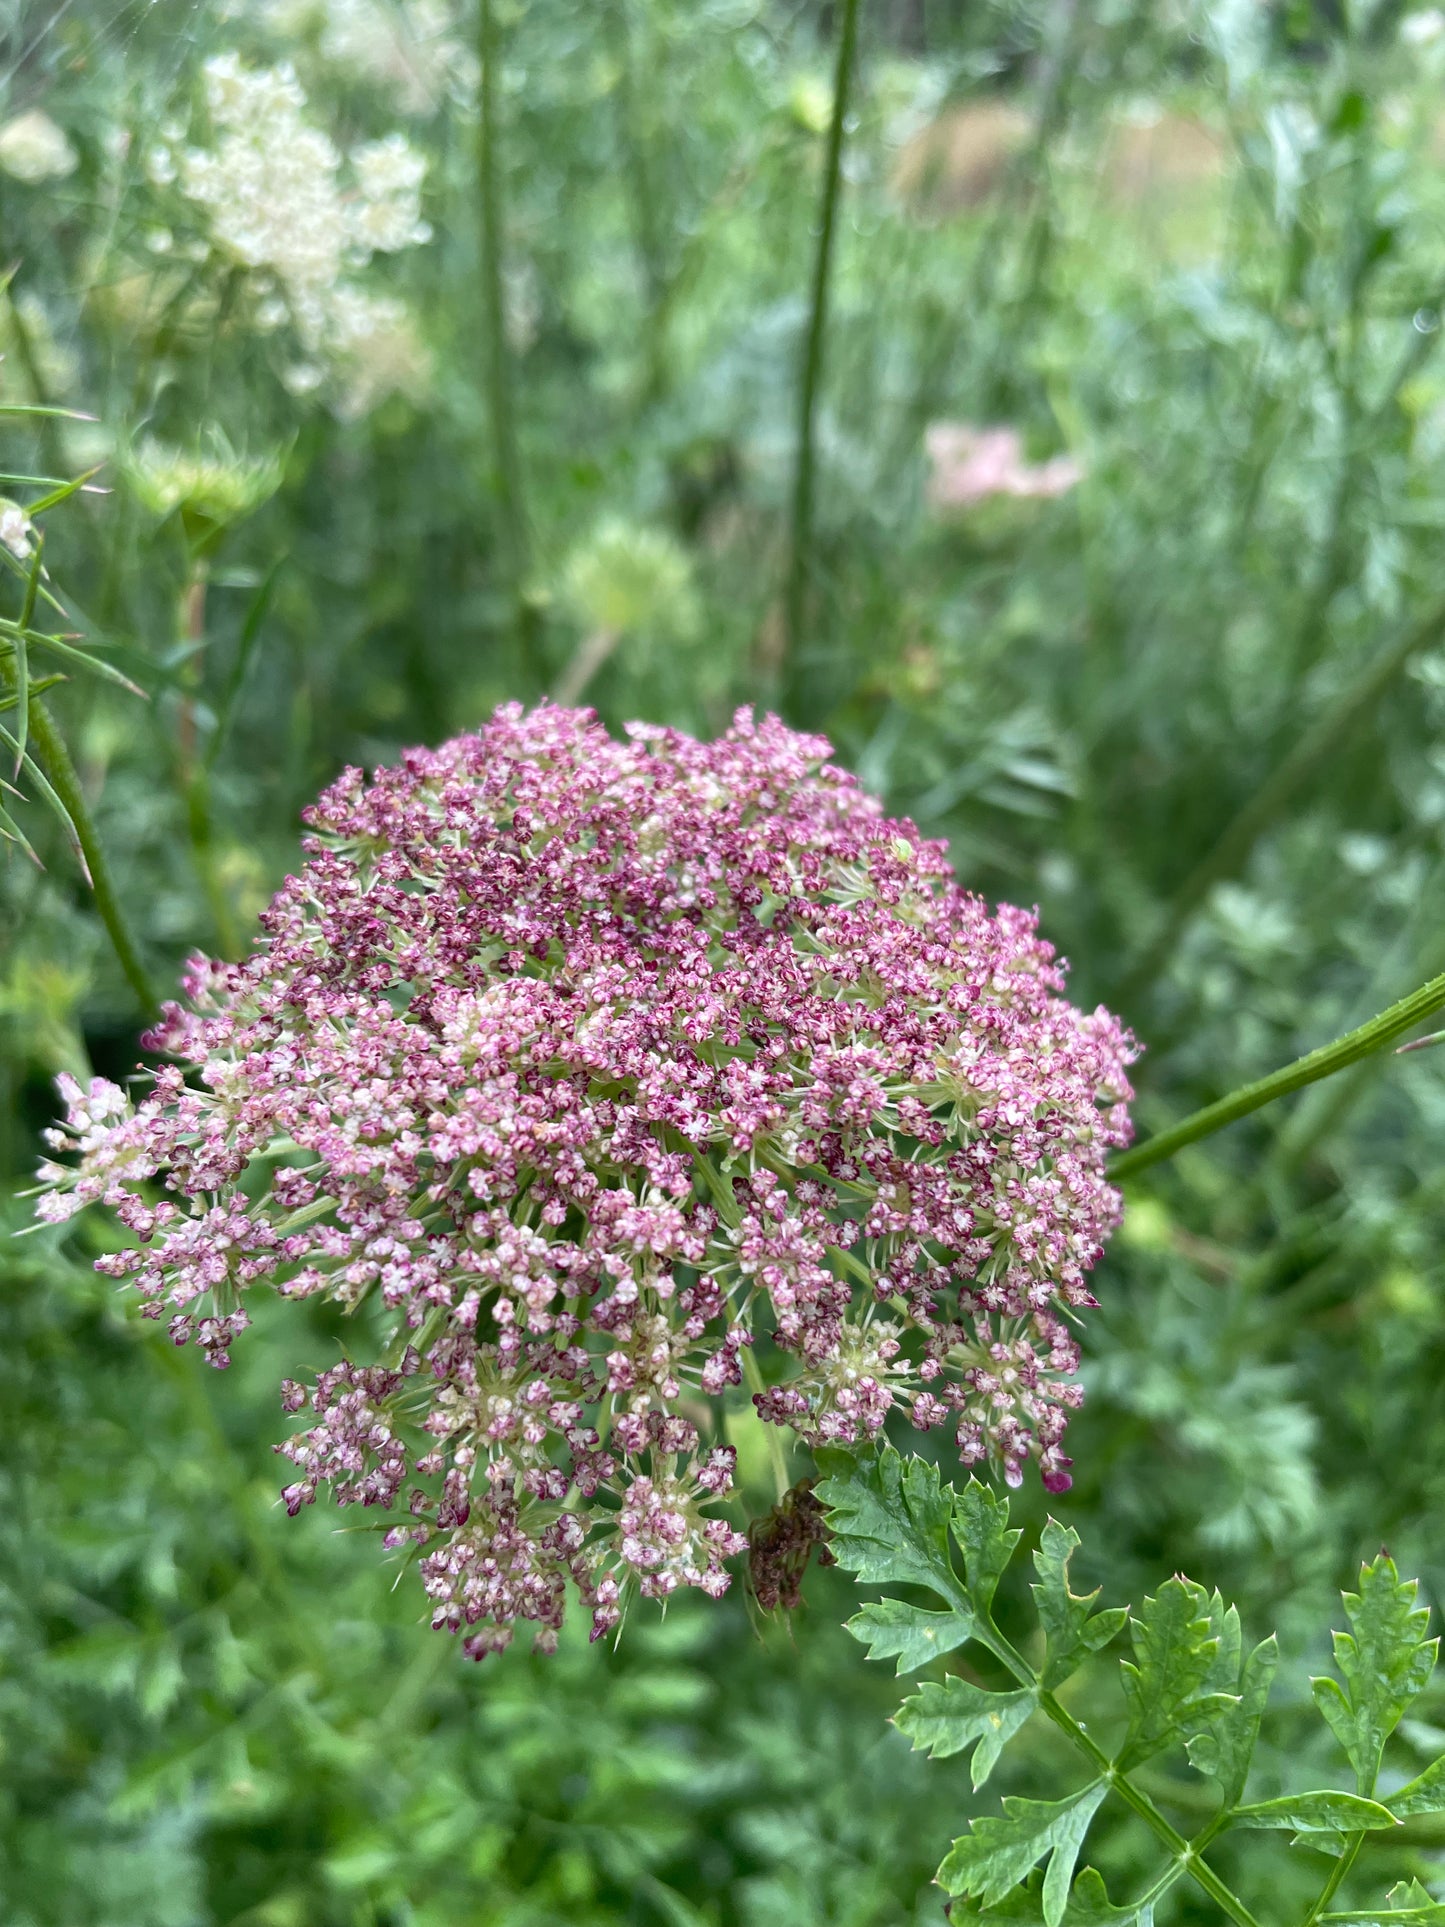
49 746
506 454
195 769
647 227
1377 1035
800 555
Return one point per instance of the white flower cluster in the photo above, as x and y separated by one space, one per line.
408 47
284 202
34 149
16 530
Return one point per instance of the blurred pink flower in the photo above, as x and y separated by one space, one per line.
968 464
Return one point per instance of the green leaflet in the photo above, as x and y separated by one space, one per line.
1176 1649
1424 1794
912 1635
890 1520
982 1529
1385 1661
947 1717
1407 1905
1089 1906
1001 1849
1309 1812
1065 1616
1223 1747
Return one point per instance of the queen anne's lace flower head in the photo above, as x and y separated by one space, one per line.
584 1064
282 202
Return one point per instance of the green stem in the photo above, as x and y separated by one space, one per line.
49 745
1337 1874
195 768
1378 1034
49 430
1186 1853
506 455
1057 79
647 228
801 541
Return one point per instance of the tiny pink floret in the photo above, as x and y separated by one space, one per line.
583 1062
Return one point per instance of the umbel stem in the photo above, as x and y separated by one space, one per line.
801 537
506 455
1376 1035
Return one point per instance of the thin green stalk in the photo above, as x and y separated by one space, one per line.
506 455
49 429
647 227
1337 1874
801 538
1378 1034
49 746
1311 753
1056 81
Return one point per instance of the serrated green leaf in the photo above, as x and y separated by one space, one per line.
889 1518
1424 1794
1223 1674
1223 1747
1406 1905
949 1716
1000 1849
1311 1812
982 1529
1175 1647
1326 1840
912 1635
1385 1661
1070 1631
1089 1906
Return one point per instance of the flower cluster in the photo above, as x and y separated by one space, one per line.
17 531
583 1065
33 149
281 201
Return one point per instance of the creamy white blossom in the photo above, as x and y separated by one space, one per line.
34 149
16 530
377 351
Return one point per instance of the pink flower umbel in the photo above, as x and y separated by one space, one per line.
968 465
585 1061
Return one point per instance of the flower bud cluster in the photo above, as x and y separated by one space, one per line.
582 1065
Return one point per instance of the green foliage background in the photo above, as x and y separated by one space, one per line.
1198 247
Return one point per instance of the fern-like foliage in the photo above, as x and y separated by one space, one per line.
1188 1685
